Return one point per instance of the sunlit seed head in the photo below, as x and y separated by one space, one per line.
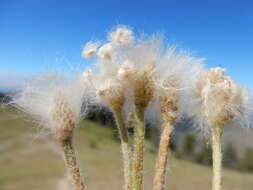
112 94
126 69
53 101
174 72
144 90
169 91
169 108
219 99
138 70
121 36
62 117
90 49
106 52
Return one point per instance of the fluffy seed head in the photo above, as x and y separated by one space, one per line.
112 94
121 36
141 82
62 116
54 101
126 70
132 66
144 89
106 52
218 99
90 49
105 88
138 70
174 69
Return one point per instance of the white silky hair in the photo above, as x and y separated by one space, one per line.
37 97
123 67
176 72
124 60
90 49
215 96
121 35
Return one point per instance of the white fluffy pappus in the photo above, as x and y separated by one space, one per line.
105 89
139 67
106 52
122 36
53 100
175 72
90 49
217 99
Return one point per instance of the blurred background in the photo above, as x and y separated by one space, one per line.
39 36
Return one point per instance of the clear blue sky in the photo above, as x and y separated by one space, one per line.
38 34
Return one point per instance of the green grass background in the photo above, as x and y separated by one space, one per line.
29 162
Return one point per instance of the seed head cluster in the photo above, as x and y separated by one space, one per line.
143 69
138 74
137 71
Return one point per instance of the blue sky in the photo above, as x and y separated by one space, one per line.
41 35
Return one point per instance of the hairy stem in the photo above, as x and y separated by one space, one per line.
139 134
217 156
71 164
125 148
161 163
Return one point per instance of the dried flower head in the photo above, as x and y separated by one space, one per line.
121 36
106 89
174 70
106 52
90 49
126 70
112 93
54 101
138 70
218 99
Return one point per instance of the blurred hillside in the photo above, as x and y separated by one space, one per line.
4 98
30 161
188 143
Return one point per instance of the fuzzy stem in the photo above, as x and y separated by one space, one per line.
124 147
71 164
217 157
161 163
139 134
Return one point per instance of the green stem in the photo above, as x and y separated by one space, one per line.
125 148
161 163
139 134
71 163
217 156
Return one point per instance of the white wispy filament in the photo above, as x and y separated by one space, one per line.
52 100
